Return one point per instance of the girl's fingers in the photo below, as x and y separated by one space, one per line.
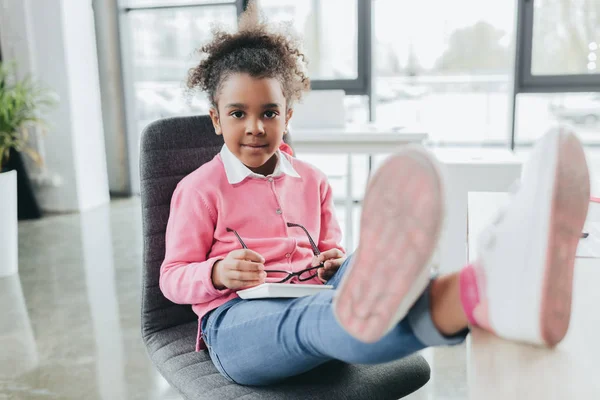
331 253
325 275
247 276
243 265
336 263
315 261
247 254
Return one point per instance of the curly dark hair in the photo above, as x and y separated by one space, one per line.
254 50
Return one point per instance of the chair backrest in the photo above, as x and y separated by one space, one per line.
170 149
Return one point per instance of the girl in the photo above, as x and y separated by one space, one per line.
255 214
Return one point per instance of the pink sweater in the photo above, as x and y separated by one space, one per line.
204 204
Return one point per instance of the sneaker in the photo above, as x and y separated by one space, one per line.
400 226
520 288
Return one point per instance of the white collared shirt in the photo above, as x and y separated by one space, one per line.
236 171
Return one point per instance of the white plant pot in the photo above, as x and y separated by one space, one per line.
19 349
8 224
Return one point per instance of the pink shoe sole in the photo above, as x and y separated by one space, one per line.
400 225
569 209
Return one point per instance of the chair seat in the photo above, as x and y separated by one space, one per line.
195 377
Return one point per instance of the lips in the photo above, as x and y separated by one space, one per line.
255 145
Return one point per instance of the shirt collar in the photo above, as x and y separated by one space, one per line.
236 171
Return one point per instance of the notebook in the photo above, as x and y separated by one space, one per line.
274 290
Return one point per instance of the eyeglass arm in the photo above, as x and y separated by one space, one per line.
316 250
238 236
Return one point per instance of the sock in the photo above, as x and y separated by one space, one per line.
469 292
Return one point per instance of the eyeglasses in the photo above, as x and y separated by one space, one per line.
303 275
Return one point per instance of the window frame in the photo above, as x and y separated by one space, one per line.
361 85
128 78
525 81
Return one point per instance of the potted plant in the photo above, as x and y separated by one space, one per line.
21 102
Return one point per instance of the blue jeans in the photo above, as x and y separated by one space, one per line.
262 341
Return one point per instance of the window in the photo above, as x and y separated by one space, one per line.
163 43
566 37
335 38
162 35
330 46
159 38
557 52
538 113
445 66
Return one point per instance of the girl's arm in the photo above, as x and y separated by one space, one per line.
185 274
331 233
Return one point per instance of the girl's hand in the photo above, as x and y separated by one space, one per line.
332 259
241 269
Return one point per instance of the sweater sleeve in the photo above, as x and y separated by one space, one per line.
331 234
186 273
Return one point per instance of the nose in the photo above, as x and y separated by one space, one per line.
255 127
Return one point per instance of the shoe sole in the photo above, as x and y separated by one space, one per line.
568 212
400 226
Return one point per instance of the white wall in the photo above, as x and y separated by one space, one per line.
106 16
54 40
86 112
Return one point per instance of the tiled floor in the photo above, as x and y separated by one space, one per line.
70 322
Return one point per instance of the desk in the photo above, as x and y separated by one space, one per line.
353 139
499 369
469 170
365 139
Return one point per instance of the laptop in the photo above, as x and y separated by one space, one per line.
320 109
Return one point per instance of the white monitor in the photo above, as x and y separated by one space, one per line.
320 109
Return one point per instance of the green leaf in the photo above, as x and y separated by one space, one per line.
22 104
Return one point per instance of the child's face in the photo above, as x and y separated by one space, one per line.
252 118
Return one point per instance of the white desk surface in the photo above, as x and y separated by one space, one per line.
355 139
500 369
477 157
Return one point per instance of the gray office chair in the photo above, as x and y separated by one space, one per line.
171 149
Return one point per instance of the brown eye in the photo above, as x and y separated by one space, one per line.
270 114
237 114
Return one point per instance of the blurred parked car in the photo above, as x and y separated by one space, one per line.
583 110
412 91
389 91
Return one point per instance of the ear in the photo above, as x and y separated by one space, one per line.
214 116
288 116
